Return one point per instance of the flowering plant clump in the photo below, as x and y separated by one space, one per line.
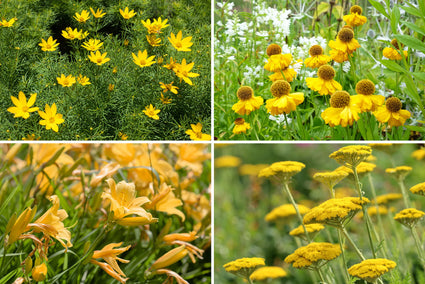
113 70
354 69
108 212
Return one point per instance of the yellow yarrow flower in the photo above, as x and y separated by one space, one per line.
312 229
325 83
418 189
126 14
83 17
92 44
409 217
268 272
151 111
355 17
183 71
244 267
313 255
330 178
365 98
227 162
371 269
362 168
66 81
83 80
343 110
283 101
49 45
387 198
247 101
419 154
251 170
50 117
317 58
196 133
285 213
179 43
282 170
142 59
351 156
98 58
392 113
98 14
23 108
399 172
240 126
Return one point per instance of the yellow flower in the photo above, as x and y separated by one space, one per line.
165 100
184 237
282 170
151 111
409 217
317 58
387 198
373 211
361 168
166 201
20 225
49 45
273 49
278 62
399 172
170 258
98 58
123 136
313 255
393 54
355 18
71 34
268 272
371 269
23 108
168 87
251 170
153 40
283 101
365 99
67 81
183 71
7 24
240 126
312 229
330 179
111 87
286 74
127 14
285 213
51 119
247 101
106 171
142 58
345 41
83 80
110 253
419 154
418 189
39 272
171 275
179 43
244 267
190 156
172 64
351 156
392 113
92 44
227 162
325 83
156 26
83 17
196 133
98 14
338 55
343 111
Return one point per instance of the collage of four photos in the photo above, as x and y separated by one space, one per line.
237 141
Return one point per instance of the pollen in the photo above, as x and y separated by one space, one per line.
280 88
393 104
365 87
326 72
340 99
395 43
273 49
356 9
345 35
315 50
245 93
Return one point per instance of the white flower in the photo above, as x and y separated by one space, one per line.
346 66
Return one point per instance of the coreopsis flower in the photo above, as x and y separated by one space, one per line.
247 101
273 49
156 26
355 18
49 45
142 59
418 189
71 34
168 87
345 41
125 204
392 113
325 83
371 269
22 108
83 17
244 267
98 58
172 64
98 14
365 98
50 117
166 201
39 272
343 111
7 24
183 71
409 217
180 43
330 178
351 156
400 172
153 40
282 170
268 272
312 230
20 225
240 126
126 14
283 101
285 213
165 100
317 58
83 80
196 133
227 161
387 198
66 81
394 53
313 255
110 253
92 44
151 111
278 62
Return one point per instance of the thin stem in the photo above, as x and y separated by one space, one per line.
418 245
249 280
406 199
341 245
319 272
350 240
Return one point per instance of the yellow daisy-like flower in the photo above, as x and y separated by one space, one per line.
151 111
278 62
240 126
196 133
153 40
156 26
247 101
286 74
268 272
355 18
172 64
330 178
387 198
227 162
371 269
168 87
92 44
325 83
409 217
98 14
345 41
392 113
283 101
179 43
282 170
50 118
142 59
165 100
285 213
126 14
98 58
83 80
83 17
312 230
418 189
49 45
66 81
244 267
39 272
273 49
399 172
317 58
7 24
365 98
313 255
183 71
394 53
343 110
338 55
351 156
72 34
23 108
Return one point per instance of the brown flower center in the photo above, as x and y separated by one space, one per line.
280 88
340 99
393 104
239 121
365 87
273 49
345 35
245 93
356 9
315 50
395 43
326 72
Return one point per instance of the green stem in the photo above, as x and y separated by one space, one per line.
249 280
406 199
418 245
341 245
319 272
350 240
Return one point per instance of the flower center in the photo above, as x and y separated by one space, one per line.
273 49
48 46
345 35
245 93
315 50
66 82
393 104
178 44
356 9
99 60
280 88
340 99
25 108
365 87
394 43
326 72
52 120
239 121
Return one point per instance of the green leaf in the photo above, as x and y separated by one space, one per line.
414 27
412 91
411 10
321 8
391 65
415 128
6 278
8 199
411 42
419 75
395 18
378 6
